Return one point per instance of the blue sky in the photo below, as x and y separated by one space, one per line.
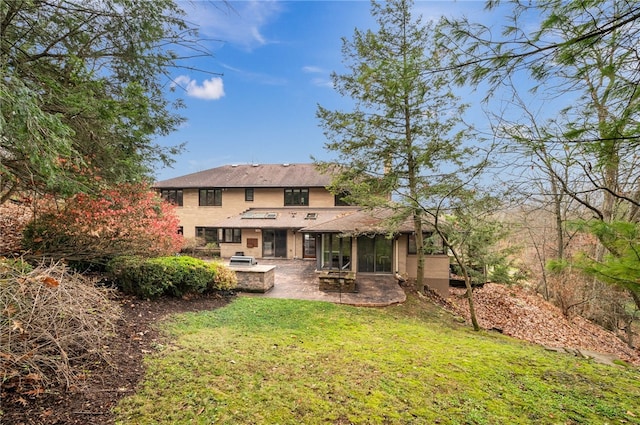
276 58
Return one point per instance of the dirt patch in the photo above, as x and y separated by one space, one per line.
91 401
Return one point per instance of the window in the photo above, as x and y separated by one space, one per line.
209 234
210 197
375 254
336 252
248 194
339 200
172 195
180 230
232 235
432 244
294 197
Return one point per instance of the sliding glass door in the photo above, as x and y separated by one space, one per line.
274 243
375 254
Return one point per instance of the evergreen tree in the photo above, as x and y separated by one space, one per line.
405 134
81 86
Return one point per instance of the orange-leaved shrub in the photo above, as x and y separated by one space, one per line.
129 219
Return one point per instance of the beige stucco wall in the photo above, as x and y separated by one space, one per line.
191 215
294 245
228 249
436 271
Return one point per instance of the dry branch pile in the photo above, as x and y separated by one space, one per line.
51 322
529 317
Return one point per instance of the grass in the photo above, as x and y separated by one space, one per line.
271 361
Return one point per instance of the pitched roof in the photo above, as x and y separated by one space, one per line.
283 218
251 175
345 220
360 222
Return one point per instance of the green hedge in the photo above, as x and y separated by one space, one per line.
174 276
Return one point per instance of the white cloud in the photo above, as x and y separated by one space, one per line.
256 76
240 23
313 70
324 78
211 89
322 82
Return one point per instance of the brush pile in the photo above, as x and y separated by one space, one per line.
53 322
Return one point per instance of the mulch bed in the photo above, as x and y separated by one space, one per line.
103 387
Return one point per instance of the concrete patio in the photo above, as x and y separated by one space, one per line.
297 279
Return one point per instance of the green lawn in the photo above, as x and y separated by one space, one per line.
272 361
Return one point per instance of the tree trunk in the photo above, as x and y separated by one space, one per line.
417 222
467 284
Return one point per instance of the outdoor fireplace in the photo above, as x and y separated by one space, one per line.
337 281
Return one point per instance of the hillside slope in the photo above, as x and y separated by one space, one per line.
520 314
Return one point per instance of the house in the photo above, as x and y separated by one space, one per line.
286 211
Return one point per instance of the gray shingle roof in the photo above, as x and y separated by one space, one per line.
251 175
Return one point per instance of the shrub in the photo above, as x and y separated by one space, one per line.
225 279
190 245
174 276
53 323
127 220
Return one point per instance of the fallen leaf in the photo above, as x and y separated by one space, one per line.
10 310
33 377
50 282
35 392
17 326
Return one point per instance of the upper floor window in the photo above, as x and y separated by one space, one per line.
210 197
297 196
432 244
172 195
248 194
340 201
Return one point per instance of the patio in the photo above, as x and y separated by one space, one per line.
297 279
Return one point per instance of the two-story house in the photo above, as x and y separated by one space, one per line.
286 211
